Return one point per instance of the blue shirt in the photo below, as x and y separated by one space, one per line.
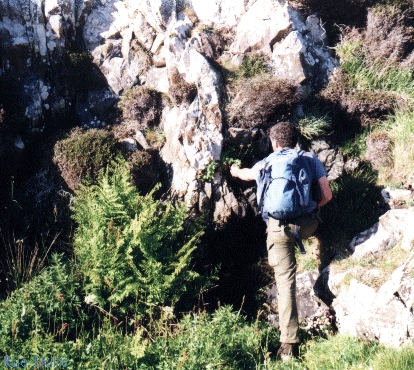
313 167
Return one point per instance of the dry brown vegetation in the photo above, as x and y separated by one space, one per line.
256 100
180 91
379 150
142 105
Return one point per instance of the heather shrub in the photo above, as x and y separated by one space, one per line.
135 251
372 80
180 91
82 154
145 168
142 105
256 100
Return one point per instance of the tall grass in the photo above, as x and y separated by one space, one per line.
20 261
401 131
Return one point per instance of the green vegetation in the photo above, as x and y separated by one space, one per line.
155 137
355 147
209 172
312 126
239 155
135 251
252 66
400 128
82 154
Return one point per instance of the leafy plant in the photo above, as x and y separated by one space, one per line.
239 155
135 251
209 172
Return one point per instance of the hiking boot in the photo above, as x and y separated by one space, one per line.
287 351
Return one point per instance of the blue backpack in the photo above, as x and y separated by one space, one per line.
284 188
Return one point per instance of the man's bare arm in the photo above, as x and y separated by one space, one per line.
246 174
326 193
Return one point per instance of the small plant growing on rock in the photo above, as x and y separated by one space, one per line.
252 66
180 91
209 172
82 154
155 137
312 126
141 104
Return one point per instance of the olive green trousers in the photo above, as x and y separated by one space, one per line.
281 256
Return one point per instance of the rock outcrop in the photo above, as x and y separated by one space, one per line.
373 289
144 43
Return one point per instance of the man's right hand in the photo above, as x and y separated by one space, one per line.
234 170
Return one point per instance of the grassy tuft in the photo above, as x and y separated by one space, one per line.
401 131
313 126
340 352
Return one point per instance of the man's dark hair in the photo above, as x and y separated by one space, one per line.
285 134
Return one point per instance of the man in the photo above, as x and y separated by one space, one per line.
281 235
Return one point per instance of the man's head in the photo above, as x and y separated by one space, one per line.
284 134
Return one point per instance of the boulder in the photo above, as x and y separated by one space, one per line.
397 198
308 306
143 32
157 79
196 69
266 22
56 25
370 301
330 157
158 13
220 12
394 226
302 56
105 22
384 315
